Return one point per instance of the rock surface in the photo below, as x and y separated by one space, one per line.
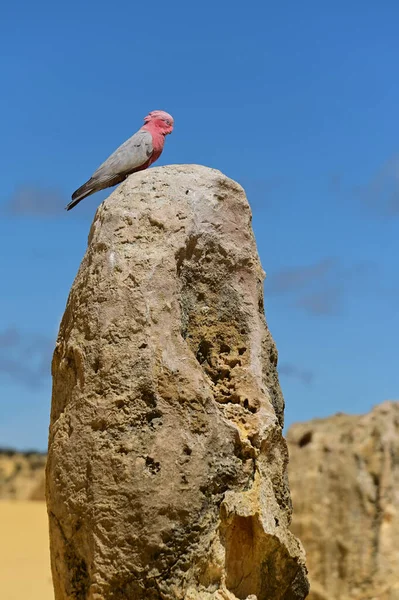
21 475
344 479
166 474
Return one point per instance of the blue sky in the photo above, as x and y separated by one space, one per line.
296 101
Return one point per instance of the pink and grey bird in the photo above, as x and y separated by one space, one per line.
136 154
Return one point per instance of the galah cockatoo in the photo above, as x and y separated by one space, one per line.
136 154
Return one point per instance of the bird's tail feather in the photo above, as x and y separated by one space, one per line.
85 190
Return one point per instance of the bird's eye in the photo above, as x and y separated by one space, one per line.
167 121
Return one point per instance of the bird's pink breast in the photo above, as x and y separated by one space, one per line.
158 141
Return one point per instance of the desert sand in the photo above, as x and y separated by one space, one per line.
24 551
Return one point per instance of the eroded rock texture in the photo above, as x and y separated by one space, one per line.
344 478
166 475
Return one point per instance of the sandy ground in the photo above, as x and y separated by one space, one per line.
24 554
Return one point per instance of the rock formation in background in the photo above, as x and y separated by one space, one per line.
166 475
344 478
21 475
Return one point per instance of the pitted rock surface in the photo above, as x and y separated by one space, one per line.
166 474
344 477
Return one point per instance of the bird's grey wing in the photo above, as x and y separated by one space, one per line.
132 154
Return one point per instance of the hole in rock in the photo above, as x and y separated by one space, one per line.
152 465
305 439
154 417
99 425
204 351
149 398
376 479
224 348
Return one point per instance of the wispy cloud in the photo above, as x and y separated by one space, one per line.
381 192
326 302
298 277
319 289
261 187
291 370
25 358
263 194
35 200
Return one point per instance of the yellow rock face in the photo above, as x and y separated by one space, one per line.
166 467
21 475
344 478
